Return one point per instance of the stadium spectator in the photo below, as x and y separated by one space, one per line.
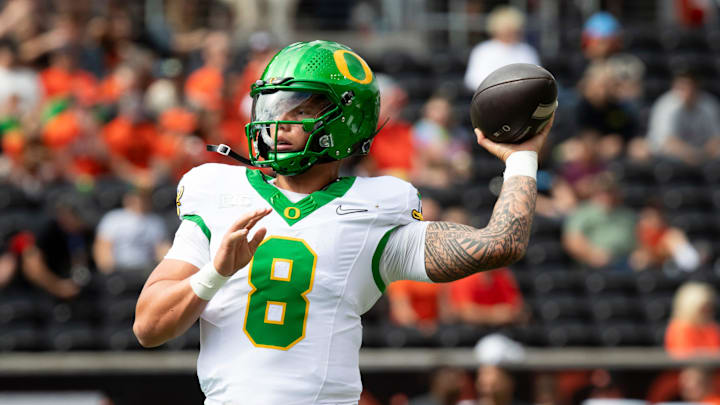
600 114
275 15
8 268
659 243
18 85
505 26
692 330
60 250
262 48
685 122
446 386
494 384
131 237
416 305
442 156
600 385
204 86
487 298
601 36
696 386
600 232
392 151
577 173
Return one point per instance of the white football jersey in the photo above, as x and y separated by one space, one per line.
286 329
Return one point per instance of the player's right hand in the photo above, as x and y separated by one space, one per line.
236 250
503 150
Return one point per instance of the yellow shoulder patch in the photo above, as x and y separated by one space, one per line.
417 215
180 192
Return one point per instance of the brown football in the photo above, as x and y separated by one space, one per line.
514 102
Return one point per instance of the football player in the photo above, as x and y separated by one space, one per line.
279 270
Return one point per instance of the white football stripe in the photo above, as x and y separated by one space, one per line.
544 110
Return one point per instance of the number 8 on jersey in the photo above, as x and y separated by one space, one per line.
281 274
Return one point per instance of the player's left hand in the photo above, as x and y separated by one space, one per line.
236 250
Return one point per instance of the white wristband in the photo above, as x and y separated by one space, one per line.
206 282
521 163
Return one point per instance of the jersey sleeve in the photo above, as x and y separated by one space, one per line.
401 251
196 194
190 245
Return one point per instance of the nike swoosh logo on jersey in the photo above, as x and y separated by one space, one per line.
342 211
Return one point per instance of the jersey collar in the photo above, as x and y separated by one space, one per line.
294 212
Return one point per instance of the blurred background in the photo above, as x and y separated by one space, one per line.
104 104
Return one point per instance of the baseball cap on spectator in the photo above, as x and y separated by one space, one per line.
496 349
600 36
601 25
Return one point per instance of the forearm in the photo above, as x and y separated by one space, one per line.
454 251
165 310
580 248
37 272
102 253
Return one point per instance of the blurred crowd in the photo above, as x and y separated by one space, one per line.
104 105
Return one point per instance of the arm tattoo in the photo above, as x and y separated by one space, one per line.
454 251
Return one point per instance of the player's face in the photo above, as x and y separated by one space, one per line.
290 109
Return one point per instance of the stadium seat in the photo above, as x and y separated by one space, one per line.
623 333
561 307
694 222
118 337
16 307
76 310
12 197
609 281
479 197
545 252
553 282
163 198
666 171
650 282
689 197
118 309
108 193
632 172
128 283
73 336
656 307
614 308
546 227
187 341
562 334
21 336
711 172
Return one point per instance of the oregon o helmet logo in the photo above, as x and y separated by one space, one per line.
292 212
341 62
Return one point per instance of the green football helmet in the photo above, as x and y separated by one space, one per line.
345 105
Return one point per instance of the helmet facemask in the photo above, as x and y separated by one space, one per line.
280 118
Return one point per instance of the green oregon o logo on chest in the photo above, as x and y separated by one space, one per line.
292 212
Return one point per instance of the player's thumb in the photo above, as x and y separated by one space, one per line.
257 238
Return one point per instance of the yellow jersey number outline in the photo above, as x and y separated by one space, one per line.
302 294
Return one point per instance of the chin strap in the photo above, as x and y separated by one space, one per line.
226 151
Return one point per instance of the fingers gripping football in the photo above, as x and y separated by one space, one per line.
236 250
503 150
